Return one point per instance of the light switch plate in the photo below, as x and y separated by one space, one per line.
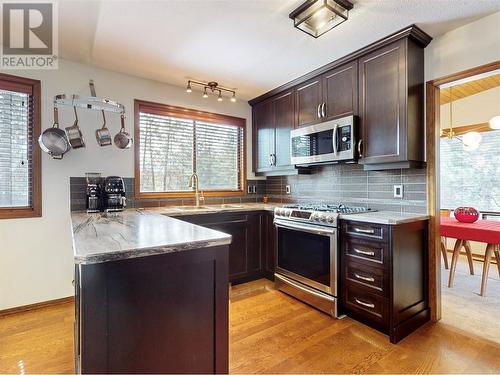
249 189
287 189
254 189
398 191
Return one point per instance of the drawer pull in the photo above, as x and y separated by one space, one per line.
370 305
369 279
366 231
370 253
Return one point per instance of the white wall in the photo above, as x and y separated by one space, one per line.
36 254
471 45
474 109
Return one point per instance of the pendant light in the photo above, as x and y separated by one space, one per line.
470 140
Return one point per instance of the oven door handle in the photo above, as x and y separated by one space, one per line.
305 228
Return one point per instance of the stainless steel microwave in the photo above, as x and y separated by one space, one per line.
329 142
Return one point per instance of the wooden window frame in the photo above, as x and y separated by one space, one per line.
20 84
192 114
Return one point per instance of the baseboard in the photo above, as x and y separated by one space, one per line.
38 305
409 326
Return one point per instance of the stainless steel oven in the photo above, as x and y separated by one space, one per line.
329 142
306 264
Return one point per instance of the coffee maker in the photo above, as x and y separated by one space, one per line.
114 194
93 200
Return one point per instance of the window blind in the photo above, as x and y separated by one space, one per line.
16 142
172 148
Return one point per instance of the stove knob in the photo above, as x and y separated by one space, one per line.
330 219
288 213
314 217
323 217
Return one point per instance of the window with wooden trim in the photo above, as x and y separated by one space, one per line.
20 174
172 143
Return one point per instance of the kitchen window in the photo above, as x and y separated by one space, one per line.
174 142
20 170
471 178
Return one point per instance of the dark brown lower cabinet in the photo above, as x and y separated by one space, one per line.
245 256
156 314
268 245
384 281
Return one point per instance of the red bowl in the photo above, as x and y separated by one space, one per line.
466 214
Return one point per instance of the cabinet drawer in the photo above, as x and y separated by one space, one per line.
371 277
371 251
370 305
366 230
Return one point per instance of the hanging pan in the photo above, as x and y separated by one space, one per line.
122 138
53 140
74 133
103 135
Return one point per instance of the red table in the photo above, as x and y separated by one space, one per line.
487 231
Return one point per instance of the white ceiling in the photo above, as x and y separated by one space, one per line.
250 45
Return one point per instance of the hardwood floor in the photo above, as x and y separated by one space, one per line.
269 333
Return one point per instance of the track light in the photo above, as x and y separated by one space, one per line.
219 98
188 89
233 98
205 95
214 88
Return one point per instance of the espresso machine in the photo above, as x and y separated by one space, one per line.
114 194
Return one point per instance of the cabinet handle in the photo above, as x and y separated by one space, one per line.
270 160
369 279
366 304
323 109
360 152
366 231
319 110
370 253
273 158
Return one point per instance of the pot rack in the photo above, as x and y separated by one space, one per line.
89 102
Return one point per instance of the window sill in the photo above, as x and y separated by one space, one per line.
19 213
189 194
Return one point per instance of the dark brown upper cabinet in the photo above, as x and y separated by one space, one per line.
263 135
273 119
328 96
391 82
309 99
340 91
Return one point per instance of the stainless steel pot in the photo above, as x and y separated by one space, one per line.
74 134
123 139
103 135
54 140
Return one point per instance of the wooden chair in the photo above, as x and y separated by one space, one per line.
444 252
490 249
456 252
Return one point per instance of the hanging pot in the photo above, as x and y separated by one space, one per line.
54 140
74 133
123 139
103 135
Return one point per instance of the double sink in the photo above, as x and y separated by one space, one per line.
207 208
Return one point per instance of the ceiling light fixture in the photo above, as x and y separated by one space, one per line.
316 17
495 123
214 87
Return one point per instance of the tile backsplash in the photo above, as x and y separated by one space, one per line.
78 185
345 183
350 184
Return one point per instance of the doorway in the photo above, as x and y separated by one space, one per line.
438 92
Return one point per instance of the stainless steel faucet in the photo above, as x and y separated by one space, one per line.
193 184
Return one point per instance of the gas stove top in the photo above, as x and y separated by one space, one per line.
317 214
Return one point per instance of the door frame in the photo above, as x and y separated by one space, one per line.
432 113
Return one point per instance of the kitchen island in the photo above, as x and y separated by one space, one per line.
151 294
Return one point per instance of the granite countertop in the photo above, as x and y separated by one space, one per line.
385 217
104 237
